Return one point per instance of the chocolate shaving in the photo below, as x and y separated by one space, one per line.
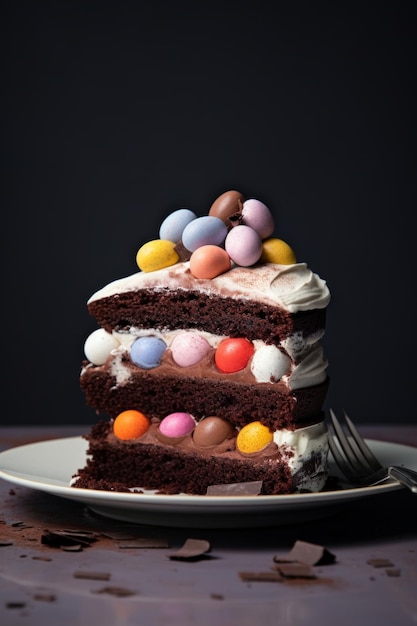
236 219
182 251
65 538
261 577
252 488
192 550
86 575
309 553
296 570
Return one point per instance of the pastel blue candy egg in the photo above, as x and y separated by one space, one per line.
146 352
204 231
173 225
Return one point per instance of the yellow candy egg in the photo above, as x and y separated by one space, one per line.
276 250
253 437
156 254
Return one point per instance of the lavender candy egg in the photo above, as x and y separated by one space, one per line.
146 352
203 231
173 225
257 215
177 425
243 245
189 348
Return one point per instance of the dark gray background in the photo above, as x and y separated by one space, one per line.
116 113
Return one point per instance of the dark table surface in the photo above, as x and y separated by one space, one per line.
118 572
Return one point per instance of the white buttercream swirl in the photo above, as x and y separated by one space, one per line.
293 287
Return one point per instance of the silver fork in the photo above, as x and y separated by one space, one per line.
357 461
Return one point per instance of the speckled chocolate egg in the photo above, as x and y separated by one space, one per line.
212 431
229 203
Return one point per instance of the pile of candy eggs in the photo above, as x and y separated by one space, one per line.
236 232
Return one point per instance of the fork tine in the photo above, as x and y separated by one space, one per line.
355 461
363 447
340 460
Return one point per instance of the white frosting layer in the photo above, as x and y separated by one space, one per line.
299 446
268 364
293 287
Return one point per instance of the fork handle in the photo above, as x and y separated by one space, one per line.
405 476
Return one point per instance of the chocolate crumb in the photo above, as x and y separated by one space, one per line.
120 592
393 571
5 543
12 492
380 563
41 558
217 596
15 605
192 550
261 577
143 542
92 575
45 597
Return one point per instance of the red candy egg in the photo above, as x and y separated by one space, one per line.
209 261
233 354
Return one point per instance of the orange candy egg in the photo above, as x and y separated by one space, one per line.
130 424
209 261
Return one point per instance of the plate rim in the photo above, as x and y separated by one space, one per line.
181 500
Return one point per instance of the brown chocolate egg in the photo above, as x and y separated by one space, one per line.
226 205
212 431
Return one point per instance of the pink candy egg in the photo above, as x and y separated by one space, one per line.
189 348
257 215
243 245
209 261
177 425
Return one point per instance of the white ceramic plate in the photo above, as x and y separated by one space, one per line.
49 465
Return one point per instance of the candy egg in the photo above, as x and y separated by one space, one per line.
269 364
211 431
98 346
209 261
146 352
257 215
203 231
253 437
233 354
173 225
243 245
276 250
156 254
177 425
130 424
189 348
226 205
